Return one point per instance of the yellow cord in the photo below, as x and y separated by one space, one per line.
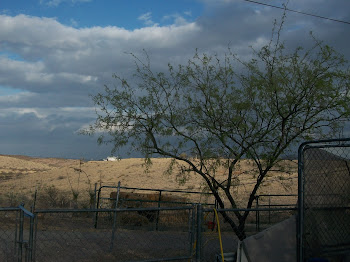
218 222
194 250
219 231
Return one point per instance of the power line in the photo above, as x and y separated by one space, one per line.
299 12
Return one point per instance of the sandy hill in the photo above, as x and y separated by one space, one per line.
20 164
20 176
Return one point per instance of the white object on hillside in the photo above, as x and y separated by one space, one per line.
112 158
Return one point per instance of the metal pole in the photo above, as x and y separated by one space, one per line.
257 226
269 209
94 205
115 217
97 204
27 244
35 235
117 197
95 189
34 201
31 238
20 237
199 233
159 199
300 222
16 234
192 229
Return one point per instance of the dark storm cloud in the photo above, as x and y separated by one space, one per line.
53 68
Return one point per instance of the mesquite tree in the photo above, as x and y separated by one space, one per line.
215 110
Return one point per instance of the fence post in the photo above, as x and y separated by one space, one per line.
300 220
269 209
192 221
16 235
31 240
159 199
117 197
20 236
199 232
95 190
257 219
35 231
97 204
94 206
115 217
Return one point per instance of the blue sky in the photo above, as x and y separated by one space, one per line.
89 13
54 54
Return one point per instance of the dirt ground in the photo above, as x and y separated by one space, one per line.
21 176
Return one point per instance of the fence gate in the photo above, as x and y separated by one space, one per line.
24 237
16 234
324 200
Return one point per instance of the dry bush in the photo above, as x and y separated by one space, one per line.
13 199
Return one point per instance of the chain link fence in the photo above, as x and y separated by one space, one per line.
180 234
271 202
8 226
156 228
16 234
324 200
121 235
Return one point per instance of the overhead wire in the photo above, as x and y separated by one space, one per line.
299 12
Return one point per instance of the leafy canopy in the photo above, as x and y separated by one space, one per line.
207 109
217 109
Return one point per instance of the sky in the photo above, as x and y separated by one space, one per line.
56 54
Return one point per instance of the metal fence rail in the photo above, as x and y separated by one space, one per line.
105 198
273 201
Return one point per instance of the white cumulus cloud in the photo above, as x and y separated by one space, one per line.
147 19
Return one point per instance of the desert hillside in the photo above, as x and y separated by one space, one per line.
21 176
